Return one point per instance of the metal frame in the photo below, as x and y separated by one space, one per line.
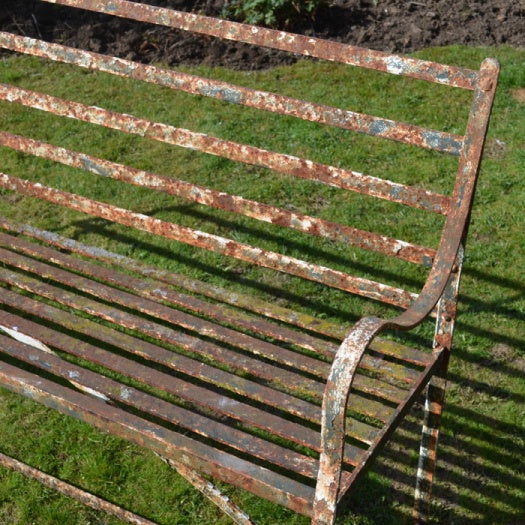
438 297
356 343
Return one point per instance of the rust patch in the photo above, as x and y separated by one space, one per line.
304 45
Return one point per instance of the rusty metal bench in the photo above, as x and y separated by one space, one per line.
325 397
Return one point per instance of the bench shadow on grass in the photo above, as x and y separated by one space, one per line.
480 472
479 475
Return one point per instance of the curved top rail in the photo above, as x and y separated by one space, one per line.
281 40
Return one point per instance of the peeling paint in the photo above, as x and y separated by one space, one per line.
183 330
395 65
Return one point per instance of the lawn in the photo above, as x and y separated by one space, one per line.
481 468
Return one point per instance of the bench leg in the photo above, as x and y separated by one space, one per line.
73 492
211 492
428 448
435 397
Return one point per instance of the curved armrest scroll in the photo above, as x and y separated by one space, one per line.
355 344
336 395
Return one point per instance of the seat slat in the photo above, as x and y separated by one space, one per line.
162 312
199 456
278 354
164 356
235 317
297 383
199 397
262 369
249 303
192 393
156 293
128 395
256 346
269 351
218 293
203 327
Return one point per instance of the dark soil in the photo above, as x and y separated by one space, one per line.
389 25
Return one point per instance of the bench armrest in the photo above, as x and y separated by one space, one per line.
357 341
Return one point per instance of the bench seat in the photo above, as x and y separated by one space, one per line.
197 380
283 403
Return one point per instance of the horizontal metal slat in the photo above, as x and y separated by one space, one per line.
221 200
220 311
199 456
211 329
246 302
187 366
157 311
287 264
192 393
280 162
173 414
286 379
152 291
308 46
345 119
191 343
281 355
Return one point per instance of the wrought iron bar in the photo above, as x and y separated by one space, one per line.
73 492
244 252
280 162
323 114
200 456
307 46
221 200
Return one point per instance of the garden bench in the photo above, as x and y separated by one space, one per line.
223 384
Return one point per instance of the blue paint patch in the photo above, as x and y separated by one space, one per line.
462 191
378 127
443 77
427 261
89 165
440 142
70 57
395 192
228 94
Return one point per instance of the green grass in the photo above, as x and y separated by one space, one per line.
479 478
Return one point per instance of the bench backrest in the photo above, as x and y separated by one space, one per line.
467 148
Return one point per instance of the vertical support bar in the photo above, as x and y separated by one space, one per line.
435 395
468 169
211 492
